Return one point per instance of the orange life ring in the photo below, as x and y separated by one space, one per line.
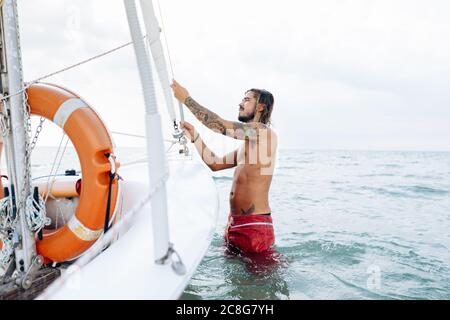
92 141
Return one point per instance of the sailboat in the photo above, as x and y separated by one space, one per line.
136 231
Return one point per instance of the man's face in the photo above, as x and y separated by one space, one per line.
247 107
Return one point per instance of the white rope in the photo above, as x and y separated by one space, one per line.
35 213
6 220
107 238
66 69
128 134
6 252
126 164
165 40
137 136
174 142
52 174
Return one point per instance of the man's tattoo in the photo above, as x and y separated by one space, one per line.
246 131
243 131
236 130
249 211
207 117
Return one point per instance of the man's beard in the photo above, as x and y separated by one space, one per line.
247 118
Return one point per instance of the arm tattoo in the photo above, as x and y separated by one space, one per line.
207 117
244 131
249 211
236 130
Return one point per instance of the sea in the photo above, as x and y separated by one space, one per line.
348 225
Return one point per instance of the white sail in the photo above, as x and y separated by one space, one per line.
153 37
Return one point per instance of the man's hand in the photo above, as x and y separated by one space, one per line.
189 130
180 93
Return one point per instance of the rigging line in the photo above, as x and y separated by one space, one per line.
166 42
52 174
128 134
53 165
57 168
28 84
135 135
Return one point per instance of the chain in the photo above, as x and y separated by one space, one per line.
26 181
27 157
36 135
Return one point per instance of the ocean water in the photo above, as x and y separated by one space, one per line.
348 225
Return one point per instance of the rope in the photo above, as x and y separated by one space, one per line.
136 136
66 69
165 40
52 174
128 134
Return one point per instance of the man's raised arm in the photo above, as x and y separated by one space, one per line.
236 130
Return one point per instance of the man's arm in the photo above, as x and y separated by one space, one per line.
236 130
212 161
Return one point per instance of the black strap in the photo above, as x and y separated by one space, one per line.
108 203
36 206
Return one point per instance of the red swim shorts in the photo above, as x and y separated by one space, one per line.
250 233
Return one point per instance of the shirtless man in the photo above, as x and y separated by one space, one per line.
249 228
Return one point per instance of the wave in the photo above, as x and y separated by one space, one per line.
390 165
288 167
331 249
384 191
372 294
354 164
427 190
301 198
373 175
223 178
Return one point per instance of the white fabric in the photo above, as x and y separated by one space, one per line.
153 37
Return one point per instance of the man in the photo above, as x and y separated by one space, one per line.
249 228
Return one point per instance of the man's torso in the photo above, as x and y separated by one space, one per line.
253 176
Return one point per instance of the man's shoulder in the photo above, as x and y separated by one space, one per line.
266 130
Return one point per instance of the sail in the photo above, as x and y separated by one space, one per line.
153 37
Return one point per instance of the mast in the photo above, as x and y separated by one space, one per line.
155 147
15 134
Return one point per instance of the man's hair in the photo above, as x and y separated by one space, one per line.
266 98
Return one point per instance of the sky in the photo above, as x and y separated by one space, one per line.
353 75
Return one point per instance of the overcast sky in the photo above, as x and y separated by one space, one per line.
345 74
